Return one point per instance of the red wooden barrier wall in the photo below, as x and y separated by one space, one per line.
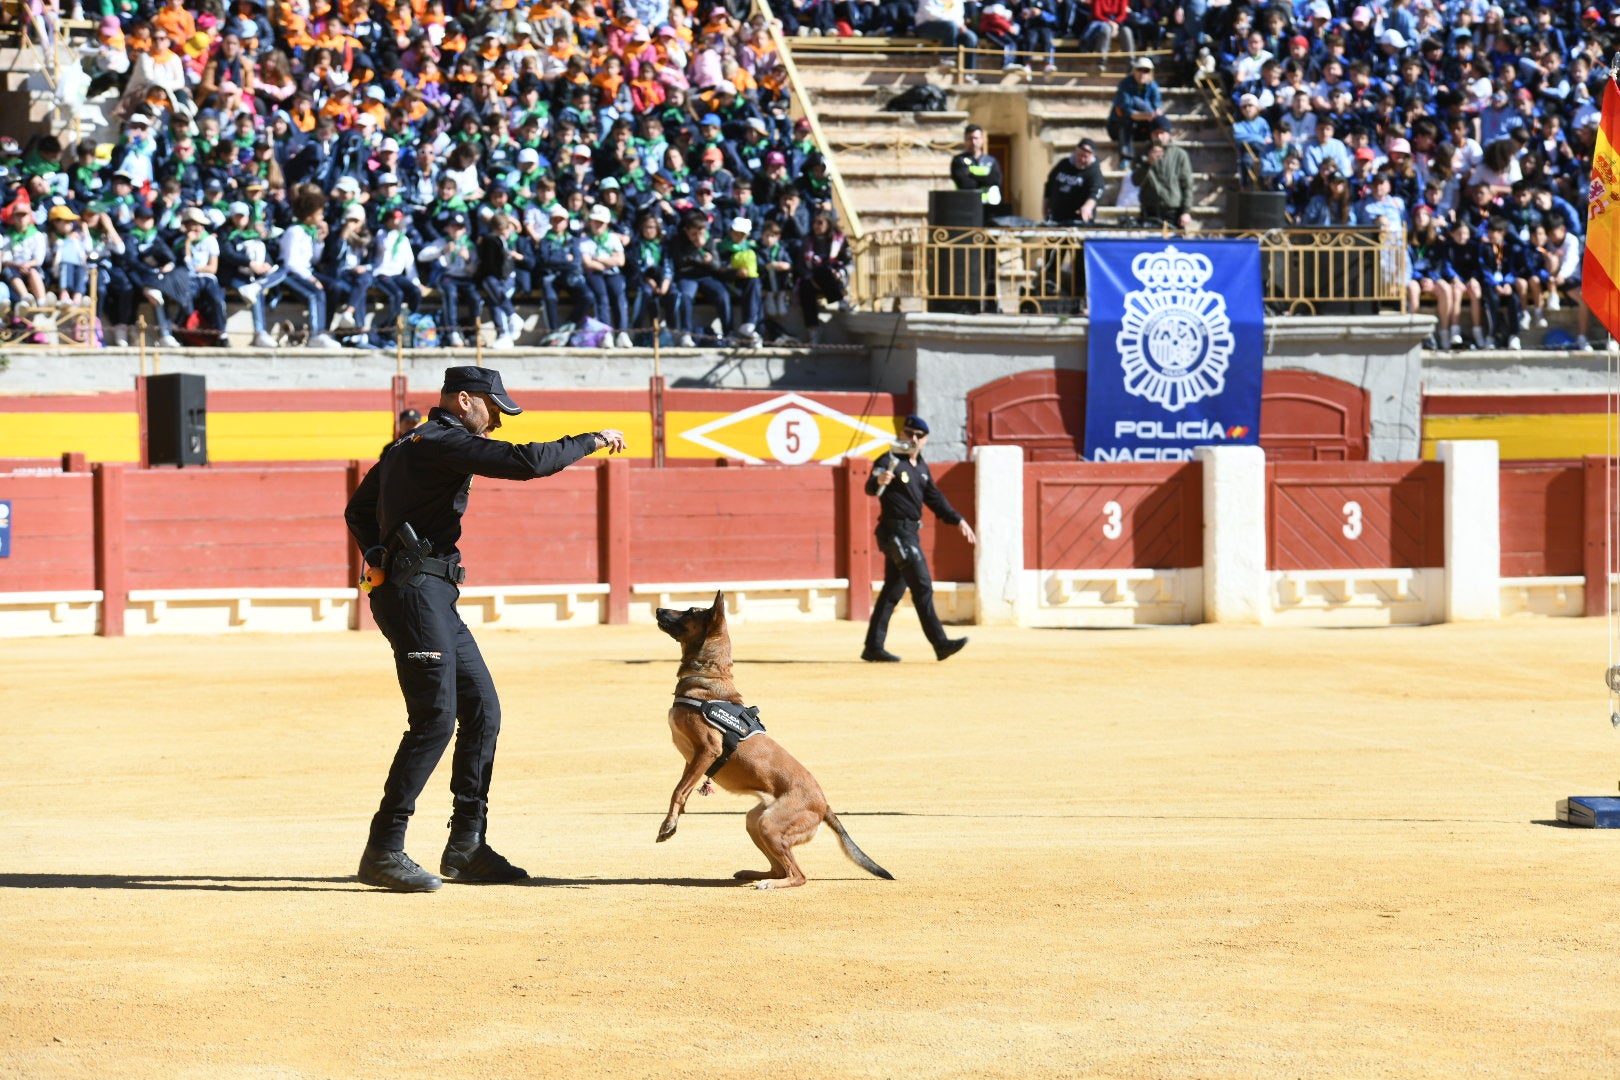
1543 514
242 528
747 524
539 532
1112 517
1367 515
52 534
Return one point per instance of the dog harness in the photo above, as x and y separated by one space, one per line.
735 723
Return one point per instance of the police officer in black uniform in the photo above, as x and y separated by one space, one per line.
901 481
406 516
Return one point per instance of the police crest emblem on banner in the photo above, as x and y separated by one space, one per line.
1176 341
1176 347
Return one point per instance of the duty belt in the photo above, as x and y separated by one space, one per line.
454 573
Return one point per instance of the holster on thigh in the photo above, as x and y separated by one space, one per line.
902 549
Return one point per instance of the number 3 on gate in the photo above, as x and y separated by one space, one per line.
1352 520
1112 515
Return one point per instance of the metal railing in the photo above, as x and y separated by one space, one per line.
1041 271
33 323
908 55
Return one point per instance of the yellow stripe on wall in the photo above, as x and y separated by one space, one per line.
834 437
298 436
1525 435
537 426
100 436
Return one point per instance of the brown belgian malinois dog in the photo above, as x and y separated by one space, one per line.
741 757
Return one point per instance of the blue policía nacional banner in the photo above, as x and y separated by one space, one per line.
1176 347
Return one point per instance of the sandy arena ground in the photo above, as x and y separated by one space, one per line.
1193 852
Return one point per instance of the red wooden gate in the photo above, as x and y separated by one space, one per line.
1355 517
1310 417
1113 516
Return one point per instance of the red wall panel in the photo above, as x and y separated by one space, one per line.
1543 518
1156 521
52 533
236 528
535 532
747 524
1329 516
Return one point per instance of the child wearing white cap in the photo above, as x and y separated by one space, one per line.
602 250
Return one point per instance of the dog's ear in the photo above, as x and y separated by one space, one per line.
717 614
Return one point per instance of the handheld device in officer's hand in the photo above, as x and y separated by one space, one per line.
904 446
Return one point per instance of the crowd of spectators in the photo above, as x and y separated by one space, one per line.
607 164
1466 125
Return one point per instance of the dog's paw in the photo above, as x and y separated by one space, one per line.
666 830
751 875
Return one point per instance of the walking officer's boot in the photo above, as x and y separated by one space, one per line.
468 859
394 870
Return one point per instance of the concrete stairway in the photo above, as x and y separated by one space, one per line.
891 160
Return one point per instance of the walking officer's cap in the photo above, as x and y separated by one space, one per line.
916 423
480 380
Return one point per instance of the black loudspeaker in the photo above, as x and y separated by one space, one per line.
1260 209
956 209
176 420
955 274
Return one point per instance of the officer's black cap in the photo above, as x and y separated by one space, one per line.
916 423
477 380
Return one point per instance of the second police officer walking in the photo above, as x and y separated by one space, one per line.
406 517
901 481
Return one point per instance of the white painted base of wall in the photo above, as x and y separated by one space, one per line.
748 601
1111 598
1350 598
955 602
49 614
530 607
1557 596
238 611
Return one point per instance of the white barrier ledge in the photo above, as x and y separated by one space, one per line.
1077 599
1367 597
765 601
1554 596
527 606
192 611
50 614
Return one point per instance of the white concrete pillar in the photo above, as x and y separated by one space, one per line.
1473 529
1236 584
998 518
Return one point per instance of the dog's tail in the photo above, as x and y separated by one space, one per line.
856 855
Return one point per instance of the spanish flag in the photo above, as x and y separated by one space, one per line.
1600 271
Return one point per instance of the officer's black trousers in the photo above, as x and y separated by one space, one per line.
904 568
443 677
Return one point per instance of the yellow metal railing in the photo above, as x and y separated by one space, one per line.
1041 270
905 55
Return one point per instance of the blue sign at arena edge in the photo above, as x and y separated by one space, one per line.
1177 347
5 530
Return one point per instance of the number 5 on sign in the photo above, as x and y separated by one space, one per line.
5 530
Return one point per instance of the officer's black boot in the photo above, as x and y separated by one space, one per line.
950 648
877 654
394 870
467 858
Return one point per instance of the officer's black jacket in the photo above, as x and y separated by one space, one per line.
912 486
425 476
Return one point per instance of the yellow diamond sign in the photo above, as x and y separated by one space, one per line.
788 430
